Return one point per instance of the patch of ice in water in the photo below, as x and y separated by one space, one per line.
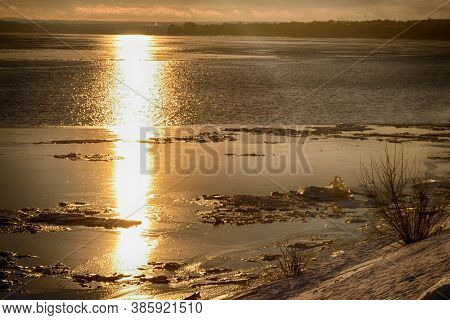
335 190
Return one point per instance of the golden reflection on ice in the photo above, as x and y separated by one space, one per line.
133 190
134 94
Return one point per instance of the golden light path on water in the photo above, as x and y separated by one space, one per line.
134 94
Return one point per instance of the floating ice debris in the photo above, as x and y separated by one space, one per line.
6 254
215 271
85 141
244 216
202 137
348 131
88 157
279 207
67 219
435 127
245 155
15 222
407 137
58 268
12 273
76 203
5 284
32 220
336 212
335 191
84 278
337 253
247 209
271 131
156 279
169 266
308 131
3 262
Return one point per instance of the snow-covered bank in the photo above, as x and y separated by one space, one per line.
415 271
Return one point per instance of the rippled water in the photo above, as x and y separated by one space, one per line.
155 80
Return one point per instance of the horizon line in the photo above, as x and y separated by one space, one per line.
213 22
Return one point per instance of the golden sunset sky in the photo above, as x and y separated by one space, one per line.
223 10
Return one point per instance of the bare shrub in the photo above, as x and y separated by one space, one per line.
404 197
292 261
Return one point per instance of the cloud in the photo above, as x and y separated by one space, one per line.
283 11
102 10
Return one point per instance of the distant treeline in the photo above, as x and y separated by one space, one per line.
428 29
89 27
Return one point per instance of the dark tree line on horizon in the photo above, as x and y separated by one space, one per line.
83 27
427 29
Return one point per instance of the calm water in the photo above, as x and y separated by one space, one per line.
146 80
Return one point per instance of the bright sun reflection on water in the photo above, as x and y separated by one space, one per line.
137 83
134 94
